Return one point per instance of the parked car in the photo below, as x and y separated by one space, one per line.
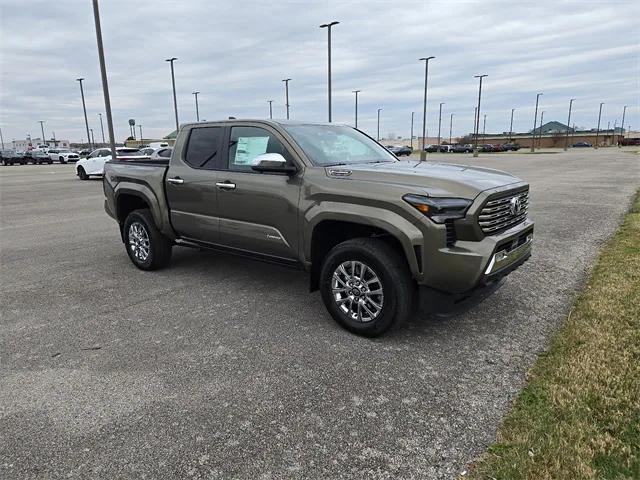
37 156
94 163
628 142
431 148
63 155
301 194
497 147
510 147
582 145
84 153
460 148
446 148
487 147
162 153
11 157
399 151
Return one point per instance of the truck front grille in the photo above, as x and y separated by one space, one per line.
503 211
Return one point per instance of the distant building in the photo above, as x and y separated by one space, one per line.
28 143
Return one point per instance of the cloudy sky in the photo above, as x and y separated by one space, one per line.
236 53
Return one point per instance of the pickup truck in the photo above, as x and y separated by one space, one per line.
374 232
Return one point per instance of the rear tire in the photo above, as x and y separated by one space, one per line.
82 174
367 300
147 247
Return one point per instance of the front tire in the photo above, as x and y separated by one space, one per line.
82 174
147 247
62 160
367 287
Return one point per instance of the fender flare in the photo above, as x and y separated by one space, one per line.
145 193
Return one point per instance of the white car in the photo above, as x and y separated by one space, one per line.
63 155
94 163
157 153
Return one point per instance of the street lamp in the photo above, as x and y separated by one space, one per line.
101 127
450 127
141 142
1 139
540 132
484 126
41 122
412 114
93 139
535 122
440 122
624 111
328 27
356 92
511 126
477 122
173 83
286 93
378 136
195 94
423 154
566 137
598 129
84 108
270 108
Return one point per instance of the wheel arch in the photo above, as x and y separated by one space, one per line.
134 197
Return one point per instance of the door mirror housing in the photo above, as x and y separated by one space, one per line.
272 163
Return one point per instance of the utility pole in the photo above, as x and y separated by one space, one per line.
598 129
440 122
511 126
286 93
356 92
197 110
412 114
328 27
173 83
423 154
378 136
624 111
450 127
566 137
1 139
540 133
535 122
84 108
141 142
93 139
484 126
55 142
41 122
270 108
102 128
475 147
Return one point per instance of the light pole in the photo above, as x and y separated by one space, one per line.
356 92
511 126
475 146
55 142
328 27
412 114
173 83
195 94
41 122
535 122
102 128
93 139
84 108
450 127
624 111
141 142
613 132
286 93
598 129
423 154
378 136
540 132
270 108
1 139
440 122
484 126
566 137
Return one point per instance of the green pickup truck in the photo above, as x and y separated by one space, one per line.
375 233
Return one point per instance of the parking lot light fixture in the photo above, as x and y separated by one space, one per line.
412 114
102 128
286 94
270 108
356 114
41 122
84 109
624 111
511 126
440 122
378 135
450 127
566 137
195 94
540 131
173 83
93 139
423 154
598 129
141 142
328 27
477 119
535 123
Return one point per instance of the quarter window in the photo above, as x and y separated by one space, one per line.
204 146
246 143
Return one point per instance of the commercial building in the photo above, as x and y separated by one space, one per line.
28 143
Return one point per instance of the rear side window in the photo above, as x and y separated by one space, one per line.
204 146
246 143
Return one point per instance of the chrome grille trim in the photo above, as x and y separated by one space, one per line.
495 216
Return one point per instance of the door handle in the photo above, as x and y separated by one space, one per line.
226 185
175 180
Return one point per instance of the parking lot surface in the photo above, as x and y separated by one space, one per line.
222 367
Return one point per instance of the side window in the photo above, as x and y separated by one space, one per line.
203 149
95 154
166 153
246 143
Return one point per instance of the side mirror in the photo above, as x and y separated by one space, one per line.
272 163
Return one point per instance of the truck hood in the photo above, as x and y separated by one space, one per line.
433 179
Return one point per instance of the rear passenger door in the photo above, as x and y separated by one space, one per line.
258 211
191 184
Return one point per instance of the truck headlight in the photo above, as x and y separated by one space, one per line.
439 209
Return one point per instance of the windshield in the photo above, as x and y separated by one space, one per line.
330 145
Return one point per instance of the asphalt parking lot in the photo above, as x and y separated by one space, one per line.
221 367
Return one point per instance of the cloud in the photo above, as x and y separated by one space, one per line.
237 53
